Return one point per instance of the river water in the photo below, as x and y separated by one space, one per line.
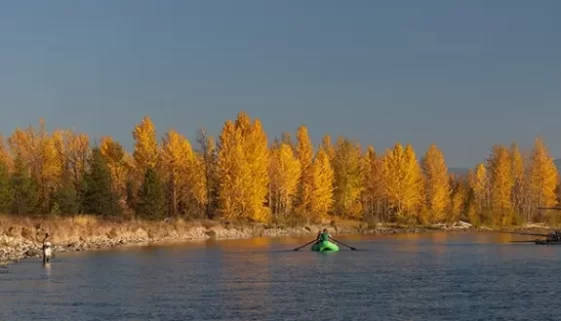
427 276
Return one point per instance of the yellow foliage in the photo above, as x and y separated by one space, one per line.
177 153
285 173
116 159
231 173
21 145
348 179
78 150
4 154
518 191
243 164
479 183
322 186
543 177
146 152
458 200
305 153
178 166
328 147
373 192
403 181
502 182
198 182
437 188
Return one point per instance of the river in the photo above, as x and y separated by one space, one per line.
426 276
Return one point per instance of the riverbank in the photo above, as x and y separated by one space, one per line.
22 237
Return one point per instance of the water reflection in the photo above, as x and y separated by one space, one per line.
47 266
453 276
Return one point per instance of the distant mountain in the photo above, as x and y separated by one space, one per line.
558 164
463 171
460 171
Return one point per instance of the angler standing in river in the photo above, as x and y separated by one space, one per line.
47 249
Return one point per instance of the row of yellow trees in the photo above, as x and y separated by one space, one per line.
242 177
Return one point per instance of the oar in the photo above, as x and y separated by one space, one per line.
296 249
352 248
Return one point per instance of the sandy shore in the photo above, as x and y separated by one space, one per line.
20 239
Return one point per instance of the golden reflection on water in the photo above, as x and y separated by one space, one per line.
243 244
247 275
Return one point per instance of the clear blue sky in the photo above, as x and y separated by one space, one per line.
462 74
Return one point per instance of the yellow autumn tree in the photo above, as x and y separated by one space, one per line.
348 179
257 158
146 151
479 184
284 174
403 182
5 157
328 147
458 199
305 153
437 188
58 138
543 178
206 167
518 189
286 138
373 192
43 160
231 172
177 164
78 151
116 159
198 185
501 183
243 164
322 187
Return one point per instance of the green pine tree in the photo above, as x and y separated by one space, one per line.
98 196
65 197
151 198
6 194
24 190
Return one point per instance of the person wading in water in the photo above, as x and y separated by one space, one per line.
47 250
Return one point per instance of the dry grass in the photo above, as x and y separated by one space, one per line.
84 220
77 228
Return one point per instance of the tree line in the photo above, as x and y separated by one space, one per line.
241 177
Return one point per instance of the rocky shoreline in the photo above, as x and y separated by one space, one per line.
20 242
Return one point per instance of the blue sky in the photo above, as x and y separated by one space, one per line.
464 75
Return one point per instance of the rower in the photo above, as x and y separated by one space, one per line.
47 250
324 236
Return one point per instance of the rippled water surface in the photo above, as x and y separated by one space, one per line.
433 276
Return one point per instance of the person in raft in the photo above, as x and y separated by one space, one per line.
322 236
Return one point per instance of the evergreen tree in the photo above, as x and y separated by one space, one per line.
99 198
24 188
5 189
151 197
65 196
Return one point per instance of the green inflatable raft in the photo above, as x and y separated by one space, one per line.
325 246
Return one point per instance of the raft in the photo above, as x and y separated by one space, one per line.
325 246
